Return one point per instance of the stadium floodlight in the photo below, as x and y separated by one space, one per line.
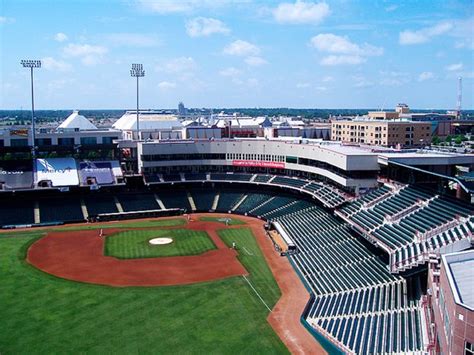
137 72
28 63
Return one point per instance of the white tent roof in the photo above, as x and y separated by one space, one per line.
75 120
148 121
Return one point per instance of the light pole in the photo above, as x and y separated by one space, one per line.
137 72
32 64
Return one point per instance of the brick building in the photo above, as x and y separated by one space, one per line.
388 133
451 304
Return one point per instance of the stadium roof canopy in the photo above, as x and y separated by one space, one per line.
77 121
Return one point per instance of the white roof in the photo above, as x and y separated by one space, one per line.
76 121
148 121
296 123
248 122
221 124
459 268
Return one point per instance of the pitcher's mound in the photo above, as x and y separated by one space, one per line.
160 241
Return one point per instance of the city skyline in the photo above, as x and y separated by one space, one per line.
302 54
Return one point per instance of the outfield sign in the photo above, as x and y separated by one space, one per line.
60 171
259 164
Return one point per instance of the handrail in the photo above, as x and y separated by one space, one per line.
430 324
424 257
377 199
400 214
423 236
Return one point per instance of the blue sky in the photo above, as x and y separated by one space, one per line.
225 53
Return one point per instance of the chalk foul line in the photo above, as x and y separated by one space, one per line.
256 292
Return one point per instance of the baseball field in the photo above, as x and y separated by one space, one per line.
49 308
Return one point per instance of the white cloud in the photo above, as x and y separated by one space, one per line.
182 6
252 82
166 6
327 79
133 39
424 35
56 85
342 50
303 85
6 20
230 72
242 48
321 88
255 61
301 12
394 78
89 54
462 31
203 26
166 85
236 76
180 65
426 75
342 60
60 37
391 8
331 43
49 63
454 67
361 82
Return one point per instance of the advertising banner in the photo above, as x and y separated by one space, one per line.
259 164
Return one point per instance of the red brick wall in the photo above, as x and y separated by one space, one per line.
461 320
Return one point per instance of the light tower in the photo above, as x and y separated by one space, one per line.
28 63
459 103
137 72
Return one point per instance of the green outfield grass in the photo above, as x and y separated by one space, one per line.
134 244
252 258
232 221
41 314
171 222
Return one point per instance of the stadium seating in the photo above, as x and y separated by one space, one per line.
203 199
152 178
270 205
252 201
174 199
357 204
137 202
100 203
60 209
409 223
329 196
230 177
15 212
292 207
196 177
297 183
171 177
357 300
262 178
228 199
